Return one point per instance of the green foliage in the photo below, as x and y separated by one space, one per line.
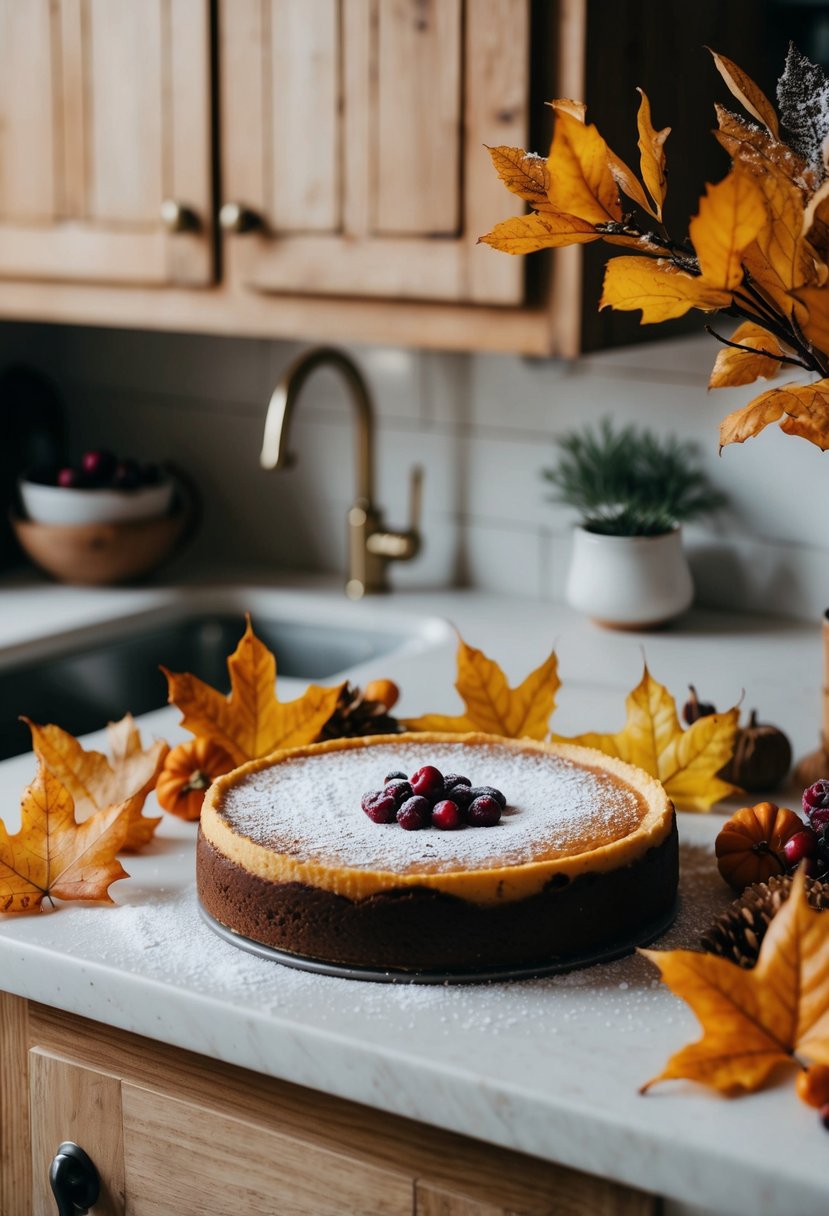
630 483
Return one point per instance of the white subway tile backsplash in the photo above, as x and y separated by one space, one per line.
482 426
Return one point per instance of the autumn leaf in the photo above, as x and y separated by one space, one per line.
816 221
523 173
581 183
576 109
779 260
731 215
755 149
96 782
758 357
685 761
491 705
815 325
251 721
527 233
752 1021
750 95
53 855
629 183
801 409
652 154
658 288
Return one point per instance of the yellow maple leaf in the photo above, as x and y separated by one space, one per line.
491 705
523 173
749 94
251 721
527 233
658 288
53 855
752 1021
581 183
801 409
652 154
95 782
731 214
685 761
759 358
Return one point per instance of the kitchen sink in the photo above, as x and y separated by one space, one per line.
84 686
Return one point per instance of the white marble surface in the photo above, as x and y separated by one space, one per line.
548 1066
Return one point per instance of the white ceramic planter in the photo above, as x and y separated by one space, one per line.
629 582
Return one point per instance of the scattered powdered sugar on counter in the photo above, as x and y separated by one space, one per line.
310 808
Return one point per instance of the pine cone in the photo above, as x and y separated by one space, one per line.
355 716
738 934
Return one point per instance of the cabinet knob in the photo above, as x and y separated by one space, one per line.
74 1180
234 217
177 218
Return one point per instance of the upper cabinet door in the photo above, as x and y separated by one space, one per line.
352 136
105 141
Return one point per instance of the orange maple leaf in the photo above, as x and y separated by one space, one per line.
757 356
801 409
491 705
53 855
250 722
96 782
754 1020
685 761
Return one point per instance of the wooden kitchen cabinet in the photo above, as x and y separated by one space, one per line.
173 1132
105 117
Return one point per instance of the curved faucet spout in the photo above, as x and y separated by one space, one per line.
282 406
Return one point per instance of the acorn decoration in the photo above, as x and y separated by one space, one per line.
762 757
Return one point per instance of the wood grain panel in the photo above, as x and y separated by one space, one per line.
416 153
124 113
187 159
185 1156
242 103
28 148
15 1155
73 174
305 137
71 1102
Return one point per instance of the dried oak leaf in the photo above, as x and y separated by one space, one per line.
801 409
658 288
53 855
752 1021
95 782
491 705
757 358
685 761
250 722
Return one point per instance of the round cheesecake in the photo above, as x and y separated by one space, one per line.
584 856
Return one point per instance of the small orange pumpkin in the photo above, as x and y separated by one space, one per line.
750 847
188 771
384 691
813 1085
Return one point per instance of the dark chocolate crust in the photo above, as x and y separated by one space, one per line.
420 929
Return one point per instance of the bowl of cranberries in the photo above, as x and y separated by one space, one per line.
100 488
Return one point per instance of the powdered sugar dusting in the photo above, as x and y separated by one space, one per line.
309 808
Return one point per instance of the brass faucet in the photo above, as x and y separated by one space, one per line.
370 546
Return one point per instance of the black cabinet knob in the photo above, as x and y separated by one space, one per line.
74 1180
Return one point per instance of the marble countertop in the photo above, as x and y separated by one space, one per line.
547 1066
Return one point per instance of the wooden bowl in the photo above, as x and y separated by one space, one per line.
101 554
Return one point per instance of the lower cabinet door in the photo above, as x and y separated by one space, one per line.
159 1155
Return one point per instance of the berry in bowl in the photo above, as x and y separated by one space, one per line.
100 489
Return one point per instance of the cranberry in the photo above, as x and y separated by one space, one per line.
483 812
816 796
70 479
396 776
399 790
379 805
427 781
487 791
801 845
126 475
414 814
453 779
819 818
98 465
462 795
447 815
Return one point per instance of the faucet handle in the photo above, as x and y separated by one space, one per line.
401 546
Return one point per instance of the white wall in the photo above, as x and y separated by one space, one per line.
481 426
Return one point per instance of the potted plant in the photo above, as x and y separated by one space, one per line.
633 491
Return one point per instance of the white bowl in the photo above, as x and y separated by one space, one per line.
62 505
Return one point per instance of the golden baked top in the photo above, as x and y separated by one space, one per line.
296 816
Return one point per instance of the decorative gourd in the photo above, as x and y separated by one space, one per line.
188 771
762 757
750 847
